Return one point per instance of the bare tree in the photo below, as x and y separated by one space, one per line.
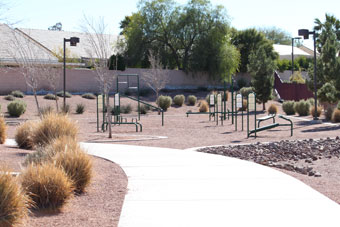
52 75
100 49
157 77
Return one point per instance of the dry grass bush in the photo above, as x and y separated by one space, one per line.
328 113
77 165
14 203
3 130
244 105
48 186
204 106
53 126
318 111
336 116
23 135
272 109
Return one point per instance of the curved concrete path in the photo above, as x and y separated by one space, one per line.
183 188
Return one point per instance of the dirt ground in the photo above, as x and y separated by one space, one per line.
182 132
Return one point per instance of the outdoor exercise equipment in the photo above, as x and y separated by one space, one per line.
265 118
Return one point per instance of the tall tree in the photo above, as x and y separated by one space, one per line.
277 35
331 26
261 67
250 40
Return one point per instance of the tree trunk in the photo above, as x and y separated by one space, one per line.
56 100
108 108
264 106
36 102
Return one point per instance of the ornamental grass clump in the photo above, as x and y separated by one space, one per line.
272 109
192 100
179 100
336 116
126 109
17 94
288 107
16 108
3 130
9 98
50 96
14 203
80 108
164 102
328 113
244 105
61 94
204 106
23 135
47 185
53 126
144 109
318 111
302 107
88 96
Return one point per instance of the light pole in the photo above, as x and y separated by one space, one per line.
73 42
293 53
305 33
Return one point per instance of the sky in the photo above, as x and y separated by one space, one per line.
289 15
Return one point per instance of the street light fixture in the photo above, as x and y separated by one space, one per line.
293 53
305 33
73 42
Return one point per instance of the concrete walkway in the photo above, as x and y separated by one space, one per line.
183 188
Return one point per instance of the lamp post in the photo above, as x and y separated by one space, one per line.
293 53
305 33
73 42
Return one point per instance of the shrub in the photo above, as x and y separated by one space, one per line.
66 109
88 96
164 102
46 110
328 113
244 105
126 109
311 102
179 100
13 201
241 82
192 100
50 96
61 94
288 107
204 106
9 98
336 116
53 126
144 109
3 130
47 185
80 108
318 111
272 109
17 94
23 135
327 93
302 107
245 91
16 108
77 165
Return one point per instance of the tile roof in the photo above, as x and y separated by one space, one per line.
285 51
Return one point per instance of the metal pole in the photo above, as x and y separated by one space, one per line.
138 96
225 101
292 56
97 113
315 89
64 104
232 100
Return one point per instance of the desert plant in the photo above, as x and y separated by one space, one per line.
23 135
272 109
77 165
336 116
80 108
50 96
327 93
66 109
311 102
144 109
53 126
17 94
192 100
164 102
14 203
9 98
47 185
88 96
328 113
318 111
46 110
204 106
245 91
16 108
302 107
179 100
126 109
288 107
61 94
3 130
244 105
